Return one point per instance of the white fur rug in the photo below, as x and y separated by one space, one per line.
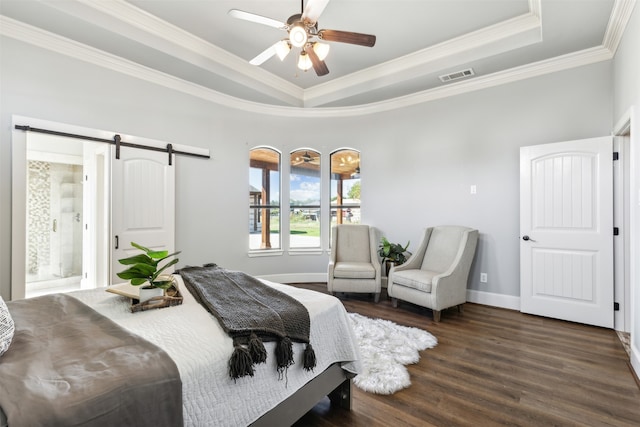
385 347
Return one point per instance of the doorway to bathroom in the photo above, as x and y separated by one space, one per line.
66 217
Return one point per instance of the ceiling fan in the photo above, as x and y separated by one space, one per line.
303 32
306 158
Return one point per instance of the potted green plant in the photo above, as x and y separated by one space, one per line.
145 271
392 253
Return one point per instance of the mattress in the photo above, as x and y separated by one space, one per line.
201 350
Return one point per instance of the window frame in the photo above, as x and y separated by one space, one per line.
317 207
263 210
349 165
327 176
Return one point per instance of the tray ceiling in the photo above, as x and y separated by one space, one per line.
197 43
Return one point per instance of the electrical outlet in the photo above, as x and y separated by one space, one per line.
474 189
483 277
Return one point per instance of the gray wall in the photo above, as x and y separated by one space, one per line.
418 163
626 77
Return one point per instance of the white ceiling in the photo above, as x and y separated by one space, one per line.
197 42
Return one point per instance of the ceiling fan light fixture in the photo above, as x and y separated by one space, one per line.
304 62
282 49
321 49
303 33
298 35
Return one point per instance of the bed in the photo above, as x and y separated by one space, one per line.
197 344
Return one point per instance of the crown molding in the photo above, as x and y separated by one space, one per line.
44 39
620 15
535 8
145 28
62 45
136 24
504 36
536 69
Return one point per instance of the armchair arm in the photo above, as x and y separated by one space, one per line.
332 258
334 244
450 287
415 260
330 269
375 261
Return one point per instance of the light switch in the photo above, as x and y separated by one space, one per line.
473 189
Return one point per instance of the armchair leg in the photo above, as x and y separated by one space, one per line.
376 297
436 315
394 302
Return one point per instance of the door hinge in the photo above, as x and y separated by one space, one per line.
616 231
616 155
616 306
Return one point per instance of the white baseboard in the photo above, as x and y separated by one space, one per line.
495 300
479 297
295 277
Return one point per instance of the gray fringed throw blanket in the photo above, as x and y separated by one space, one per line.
251 313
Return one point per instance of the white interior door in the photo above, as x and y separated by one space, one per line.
566 231
143 204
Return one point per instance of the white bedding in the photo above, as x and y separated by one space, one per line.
201 350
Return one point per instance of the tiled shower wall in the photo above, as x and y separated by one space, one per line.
38 216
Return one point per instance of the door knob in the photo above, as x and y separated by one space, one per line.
527 238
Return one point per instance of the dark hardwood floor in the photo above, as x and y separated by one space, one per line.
495 367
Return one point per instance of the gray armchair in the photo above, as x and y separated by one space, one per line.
435 276
354 265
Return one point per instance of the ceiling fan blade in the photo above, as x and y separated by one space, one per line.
266 54
247 16
318 65
313 10
347 37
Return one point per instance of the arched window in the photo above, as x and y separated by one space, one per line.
345 187
304 199
264 198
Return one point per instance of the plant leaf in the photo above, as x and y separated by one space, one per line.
138 270
144 267
158 254
142 248
169 264
140 258
170 255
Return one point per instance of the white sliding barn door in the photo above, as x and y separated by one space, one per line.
143 204
566 231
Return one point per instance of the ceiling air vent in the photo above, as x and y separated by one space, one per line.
457 75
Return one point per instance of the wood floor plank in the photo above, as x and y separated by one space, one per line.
495 367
